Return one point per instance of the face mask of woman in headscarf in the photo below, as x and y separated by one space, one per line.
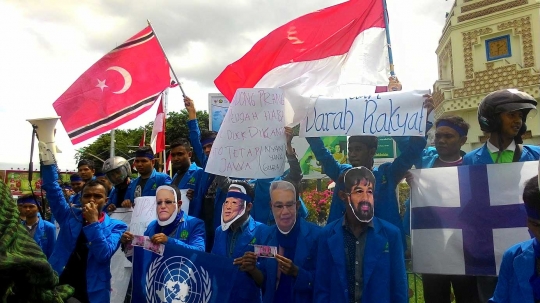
166 205
234 206
359 187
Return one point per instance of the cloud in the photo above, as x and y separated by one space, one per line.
47 47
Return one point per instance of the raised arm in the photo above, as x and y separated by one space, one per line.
194 131
331 167
295 171
411 153
59 207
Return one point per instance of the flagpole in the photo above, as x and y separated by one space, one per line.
163 50
165 109
387 30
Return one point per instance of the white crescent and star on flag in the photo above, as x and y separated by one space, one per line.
124 73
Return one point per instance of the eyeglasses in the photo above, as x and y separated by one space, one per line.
167 202
284 206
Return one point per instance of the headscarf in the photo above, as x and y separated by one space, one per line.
25 274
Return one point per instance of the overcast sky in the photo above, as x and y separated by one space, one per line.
46 47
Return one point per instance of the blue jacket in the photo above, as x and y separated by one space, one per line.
45 236
75 199
206 178
190 180
482 155
385 279
245 290
189 234
517 268
304 258
103 239
387 177
156 180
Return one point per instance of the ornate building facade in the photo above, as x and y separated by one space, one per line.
488 45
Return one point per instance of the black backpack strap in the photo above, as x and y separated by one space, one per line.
517 152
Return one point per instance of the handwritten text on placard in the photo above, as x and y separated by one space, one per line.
144 212
251 140
386 114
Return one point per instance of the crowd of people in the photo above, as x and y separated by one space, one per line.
359 256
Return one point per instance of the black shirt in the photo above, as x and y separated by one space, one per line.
74 273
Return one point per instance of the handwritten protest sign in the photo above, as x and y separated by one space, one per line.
385 114
120 266
185 201
251 140
144 212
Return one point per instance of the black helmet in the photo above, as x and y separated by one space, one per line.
503 101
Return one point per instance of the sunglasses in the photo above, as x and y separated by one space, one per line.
167 202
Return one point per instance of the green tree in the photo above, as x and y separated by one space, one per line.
126 141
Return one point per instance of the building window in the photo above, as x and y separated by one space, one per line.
497 48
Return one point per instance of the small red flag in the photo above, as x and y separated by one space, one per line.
119 87
142 143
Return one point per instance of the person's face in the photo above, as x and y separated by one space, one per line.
77 186
144 165
360 155
86 173
511 123
231 208
207 148
180 157
105 181
165 204
96 195
361 199
30 210
284 208
116 176
448 142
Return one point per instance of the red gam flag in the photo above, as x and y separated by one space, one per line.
116 89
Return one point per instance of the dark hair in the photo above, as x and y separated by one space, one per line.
83 162
531 193
181 142
144 150
249 190
369 141
355 175
94 183
453 119
208 134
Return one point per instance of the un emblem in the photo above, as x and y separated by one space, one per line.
177 280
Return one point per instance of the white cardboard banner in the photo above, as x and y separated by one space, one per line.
144 212
185 201
120 266
384 114
251 142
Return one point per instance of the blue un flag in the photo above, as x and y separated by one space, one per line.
181 276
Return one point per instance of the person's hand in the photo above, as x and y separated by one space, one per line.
159 238
127 203
247 262
190 107
90 212
126 237
289 135
409 178
428 103
189 194
286 266
111 207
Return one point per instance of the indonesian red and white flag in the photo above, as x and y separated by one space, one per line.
168 163
157 141
329 52
116 89
142 143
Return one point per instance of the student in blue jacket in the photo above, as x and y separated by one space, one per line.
87 240
502 114
360 257
188 175
450 135
235 236
118 172
77 184
289 276
519 274
172 226
149 179
42 231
